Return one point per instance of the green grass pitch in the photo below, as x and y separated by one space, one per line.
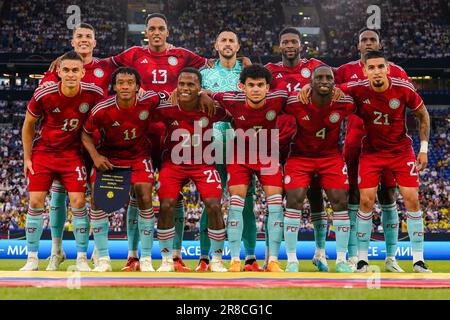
133 293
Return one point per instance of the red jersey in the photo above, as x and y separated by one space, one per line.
187 131
159 71
245 117
384 114
292 80
98 71
123 131
353 71
318 128
61 117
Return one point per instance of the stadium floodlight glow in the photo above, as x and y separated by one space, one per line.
36 76
7 75
300 13
427 77
143 10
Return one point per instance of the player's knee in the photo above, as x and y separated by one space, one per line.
36 203
77 202
212 206
411 202
339 204
366 202
167 206
145 198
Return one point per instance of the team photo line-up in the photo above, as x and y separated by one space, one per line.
221 123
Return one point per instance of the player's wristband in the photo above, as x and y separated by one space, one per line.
424 146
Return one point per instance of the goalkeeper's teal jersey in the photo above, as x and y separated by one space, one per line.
221 79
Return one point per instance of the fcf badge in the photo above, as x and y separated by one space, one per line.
173 61
394 103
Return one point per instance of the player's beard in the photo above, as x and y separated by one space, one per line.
228 56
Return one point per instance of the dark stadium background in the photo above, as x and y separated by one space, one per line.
415 35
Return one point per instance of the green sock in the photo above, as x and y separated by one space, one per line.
235 225
217 238
320 223
414 224
179 225
341 223
81 228
205 243
165 238
275 224
57 210
291 226
132 225
363 232
100 228
390 227
249 232
352 241
146 223
33 227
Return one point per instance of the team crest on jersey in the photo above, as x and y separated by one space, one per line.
143 115
394 103
84 107
270 115
334 117
99 73
203 122
305 73
287 179
173 61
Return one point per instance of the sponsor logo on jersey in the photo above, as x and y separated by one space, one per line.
367 101
305 73
334 117
173 61
99 73
84 107
307 118
175 123
287 179
270 115
56 110
143 115
203 122
241 118
115 124
144 61
354 76
394 103
279 76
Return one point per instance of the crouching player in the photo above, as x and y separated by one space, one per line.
123 121
184 159
315 151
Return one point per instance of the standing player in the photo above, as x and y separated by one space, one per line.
382 102
123 121
187 122
159 67
292 74
97 71
56 152
316 152
353 71
224 76
254 114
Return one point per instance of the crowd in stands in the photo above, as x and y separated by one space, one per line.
409 28
42 27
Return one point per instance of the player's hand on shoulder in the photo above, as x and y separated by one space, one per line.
141 93
207 104
304 95
102 163
47 84
245 61
173 97
338 94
